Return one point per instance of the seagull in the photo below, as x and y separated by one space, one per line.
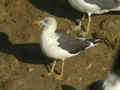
112 82
95 7
60 46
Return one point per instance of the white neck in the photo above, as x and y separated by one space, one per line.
50 28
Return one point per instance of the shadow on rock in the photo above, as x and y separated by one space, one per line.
95 85
27 53
60 8
67 87
114 12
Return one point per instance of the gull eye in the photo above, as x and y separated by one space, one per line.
46 21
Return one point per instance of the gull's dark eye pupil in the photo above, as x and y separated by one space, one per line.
46 21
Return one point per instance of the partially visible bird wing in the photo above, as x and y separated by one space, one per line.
105 4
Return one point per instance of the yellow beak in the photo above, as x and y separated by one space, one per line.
36 23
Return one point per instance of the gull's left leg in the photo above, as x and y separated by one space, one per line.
52 69
60 77
84 34
89 21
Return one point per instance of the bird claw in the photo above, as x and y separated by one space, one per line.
59 77
50 74
84 34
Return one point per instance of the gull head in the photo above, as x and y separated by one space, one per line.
45 22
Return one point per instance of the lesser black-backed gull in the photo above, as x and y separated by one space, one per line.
112 82
95 7
60 46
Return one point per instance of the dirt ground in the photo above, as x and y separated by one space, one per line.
22 64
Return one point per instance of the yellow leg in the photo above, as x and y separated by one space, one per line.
84 34
52 69
89 21
60 77
62 69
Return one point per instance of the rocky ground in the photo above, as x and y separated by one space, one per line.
22 64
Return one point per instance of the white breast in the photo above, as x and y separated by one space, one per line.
49 46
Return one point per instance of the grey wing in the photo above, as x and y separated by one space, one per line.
71 44
105 4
